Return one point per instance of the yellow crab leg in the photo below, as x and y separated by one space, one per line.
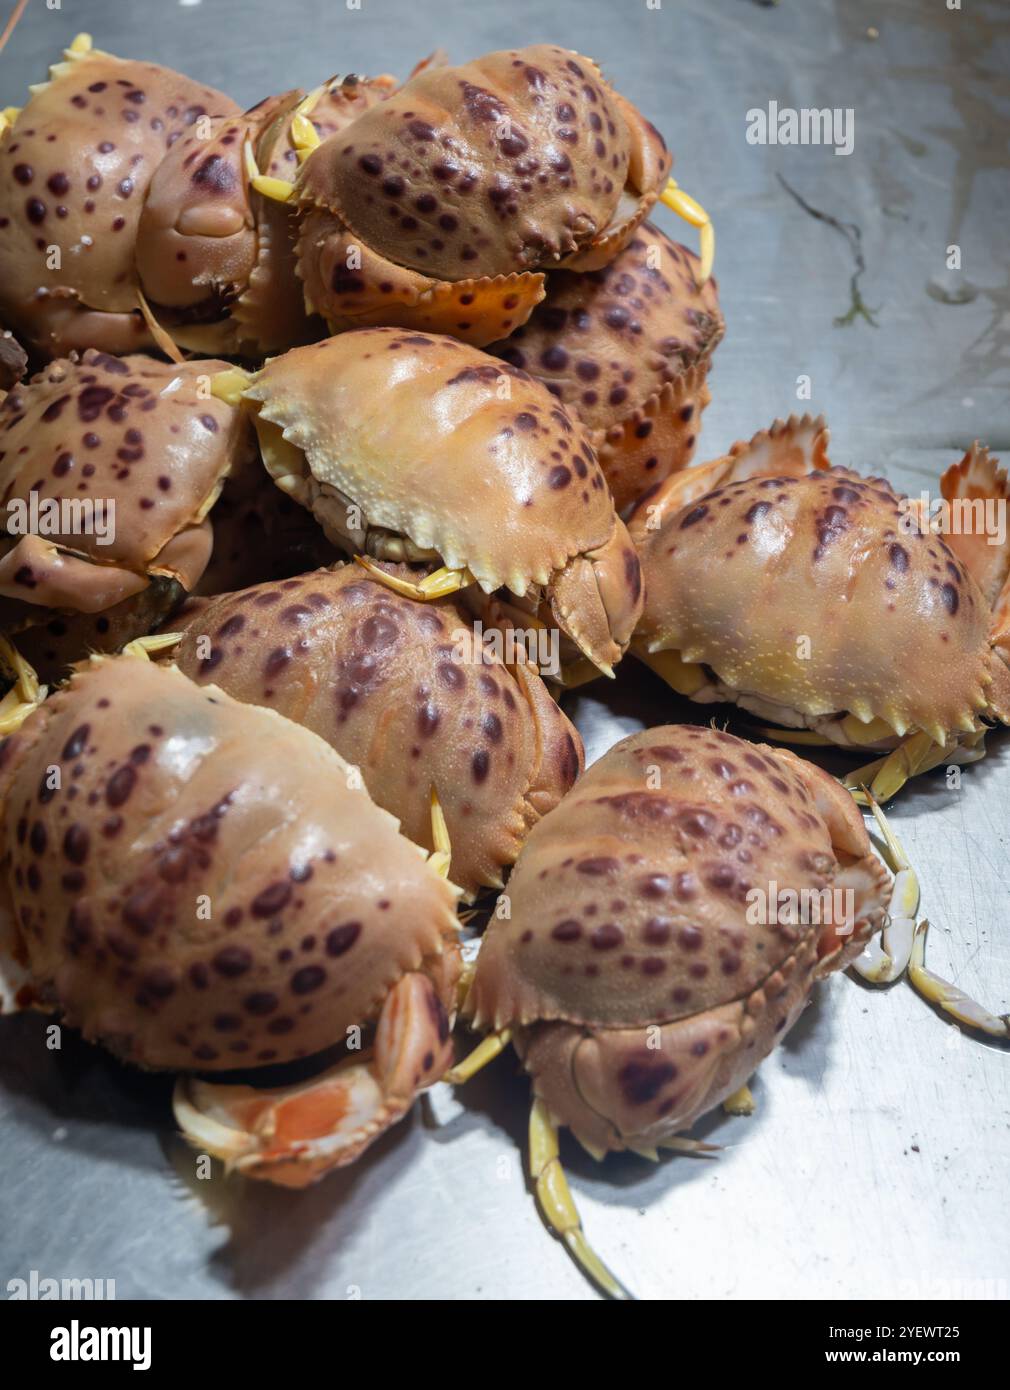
435 585
886 776
146 647
885 958
304 136
554 1199
486 1051
277 189
692 211
441 856
952 1000
741 1102
25 695
680 1145
230 385
161 336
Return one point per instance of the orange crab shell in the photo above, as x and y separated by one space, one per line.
640 985
469 459
566 166
896 627
399 690
205 888
627 350
111 121
141 437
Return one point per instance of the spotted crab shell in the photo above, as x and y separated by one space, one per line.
817 594
204 888
74 170
627 350
467 182
471 460
143 438
399 689
271 309
630 920
197 242
211 247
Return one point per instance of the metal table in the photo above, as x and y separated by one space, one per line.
876 1164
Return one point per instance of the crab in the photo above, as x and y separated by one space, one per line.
403 691
824 602
627 350
75 164
416 448
123 457
200 885
212 248
663 929
444 205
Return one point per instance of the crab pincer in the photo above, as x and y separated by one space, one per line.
627 350
665 926
109 469
404 691
825 603
200 885
442 206
75 164
416 448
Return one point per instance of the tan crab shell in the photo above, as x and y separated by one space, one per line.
74 170
202 887
144 436
456 192
640 983
387 434
209 244
627 349
400 689
812 595
197 240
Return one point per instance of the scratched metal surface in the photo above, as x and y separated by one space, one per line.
877 1161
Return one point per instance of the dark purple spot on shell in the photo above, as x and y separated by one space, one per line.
307 979
342 938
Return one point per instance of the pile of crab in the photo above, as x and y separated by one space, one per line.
360 430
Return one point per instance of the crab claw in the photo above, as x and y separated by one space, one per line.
294 1135
597 600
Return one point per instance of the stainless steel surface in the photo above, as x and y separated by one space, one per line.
877 1161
